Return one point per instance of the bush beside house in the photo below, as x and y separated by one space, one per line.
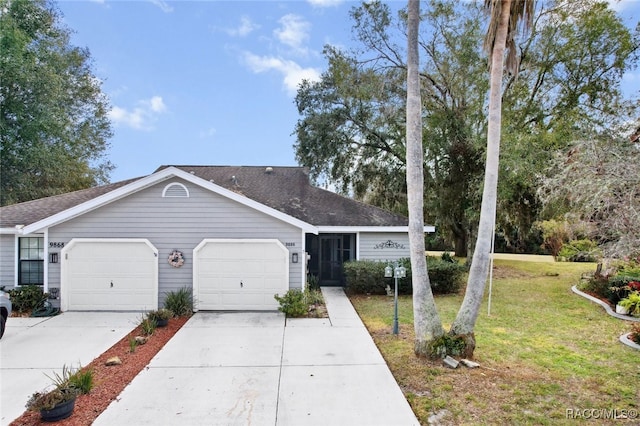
367 276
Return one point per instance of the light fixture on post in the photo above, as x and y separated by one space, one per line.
395 272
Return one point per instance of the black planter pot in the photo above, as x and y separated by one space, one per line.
162 322
59 412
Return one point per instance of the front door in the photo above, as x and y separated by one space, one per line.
330 260
327 254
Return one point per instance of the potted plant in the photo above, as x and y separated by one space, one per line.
160 317
59 402
631 303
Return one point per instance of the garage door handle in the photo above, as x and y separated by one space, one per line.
241 285
111 284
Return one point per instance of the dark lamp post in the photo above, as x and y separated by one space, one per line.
396 272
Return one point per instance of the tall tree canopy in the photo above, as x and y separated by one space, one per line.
598 181
54 128
352 128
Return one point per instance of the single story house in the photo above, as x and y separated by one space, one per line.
234 235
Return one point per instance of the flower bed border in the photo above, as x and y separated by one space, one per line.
624 338
604 305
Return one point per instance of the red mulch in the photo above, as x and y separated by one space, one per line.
110 381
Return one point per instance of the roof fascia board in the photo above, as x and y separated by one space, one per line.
10 231
147 181
377 229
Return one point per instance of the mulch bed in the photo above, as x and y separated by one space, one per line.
110 381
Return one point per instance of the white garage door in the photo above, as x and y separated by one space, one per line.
239 274
109 275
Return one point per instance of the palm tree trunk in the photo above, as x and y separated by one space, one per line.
427 323
464 323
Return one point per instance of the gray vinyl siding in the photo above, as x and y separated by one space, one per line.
383 246
7 260
177 224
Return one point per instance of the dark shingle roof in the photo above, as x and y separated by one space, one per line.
286 189
32 211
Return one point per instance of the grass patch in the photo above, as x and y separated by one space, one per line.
543 350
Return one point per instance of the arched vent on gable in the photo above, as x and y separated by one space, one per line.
176 190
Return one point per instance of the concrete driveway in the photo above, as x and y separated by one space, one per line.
33 347
250 368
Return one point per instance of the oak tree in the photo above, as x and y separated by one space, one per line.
54 128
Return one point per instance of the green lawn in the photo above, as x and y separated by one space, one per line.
543 351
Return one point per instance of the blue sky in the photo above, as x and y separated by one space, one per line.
213 82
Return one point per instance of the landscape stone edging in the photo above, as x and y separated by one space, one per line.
624 338
604 305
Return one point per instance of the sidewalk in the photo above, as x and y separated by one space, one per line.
256 368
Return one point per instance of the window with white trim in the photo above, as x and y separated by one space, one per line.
31 260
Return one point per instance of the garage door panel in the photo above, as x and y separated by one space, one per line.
94 267
240 275
109 300
128 283
109 274
245 301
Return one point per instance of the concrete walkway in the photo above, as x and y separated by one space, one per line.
251 368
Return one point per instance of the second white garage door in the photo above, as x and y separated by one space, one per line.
239 274
109 274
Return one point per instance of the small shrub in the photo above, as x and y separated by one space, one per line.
580 251
313 297
160 315
313 282
446 277
27 297
632 303
554 234
48 400
133 344
597 285
82 380
148 326
367 276
179 302
293 303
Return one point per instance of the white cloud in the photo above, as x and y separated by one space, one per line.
293 74
246 27
163 5
142 116
157 105
294 32
324 3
